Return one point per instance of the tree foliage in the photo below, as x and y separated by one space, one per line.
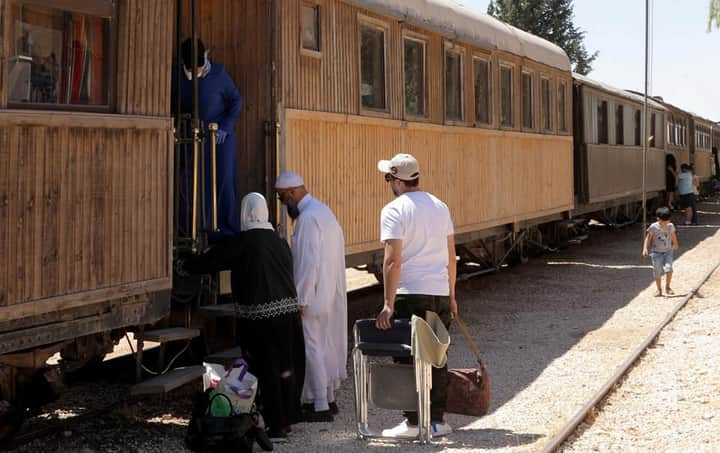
551 20
714 16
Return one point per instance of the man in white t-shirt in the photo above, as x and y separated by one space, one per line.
419 269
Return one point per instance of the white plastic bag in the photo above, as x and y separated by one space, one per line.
213 374
239 386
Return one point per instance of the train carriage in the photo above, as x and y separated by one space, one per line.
609 151
484 107
86 169
702 156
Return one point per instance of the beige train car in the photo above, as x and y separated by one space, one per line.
86 171
485 107
609 148
703 158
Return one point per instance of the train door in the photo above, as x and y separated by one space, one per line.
238 34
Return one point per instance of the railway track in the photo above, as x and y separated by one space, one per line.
569 428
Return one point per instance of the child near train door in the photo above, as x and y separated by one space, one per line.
660 243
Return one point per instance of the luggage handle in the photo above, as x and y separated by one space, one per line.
466 334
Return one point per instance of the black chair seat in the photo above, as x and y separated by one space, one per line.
393 342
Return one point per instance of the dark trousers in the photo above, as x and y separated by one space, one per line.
407 305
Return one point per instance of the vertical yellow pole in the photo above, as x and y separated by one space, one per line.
213 163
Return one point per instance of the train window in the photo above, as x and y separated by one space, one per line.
453 85
414 61
311 27
483 92
60 56
545 101
562 116
638 132
528 120
619 125
602 122
506 96
372 68
651 139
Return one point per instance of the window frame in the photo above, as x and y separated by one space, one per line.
546 77
619 132
303 50
533 100
487 59
562 116
513 120
424 40
602 102
637 126
652 133
462 52
384 27
105 9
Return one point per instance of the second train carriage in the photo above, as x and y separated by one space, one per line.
609 150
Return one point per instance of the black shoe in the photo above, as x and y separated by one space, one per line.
307 407
317 417
277 437
334 408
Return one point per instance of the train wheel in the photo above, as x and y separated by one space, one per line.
87 352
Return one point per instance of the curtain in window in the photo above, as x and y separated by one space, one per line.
85 60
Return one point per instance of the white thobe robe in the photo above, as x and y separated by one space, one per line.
318 250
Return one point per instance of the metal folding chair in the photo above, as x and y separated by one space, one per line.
389 385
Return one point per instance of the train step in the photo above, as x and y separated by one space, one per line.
170 334
224 356
220 310
168 381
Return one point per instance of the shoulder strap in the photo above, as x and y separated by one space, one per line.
466 334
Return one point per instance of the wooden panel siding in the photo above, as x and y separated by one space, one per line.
85 208
704 164
487 177
145 43
330 82
616 171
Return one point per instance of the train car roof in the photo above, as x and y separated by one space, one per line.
468 25
629 95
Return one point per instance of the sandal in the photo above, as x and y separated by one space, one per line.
669 291
658 293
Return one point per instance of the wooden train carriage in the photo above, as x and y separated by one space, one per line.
679 133
483 106
85 170
703 157
608 145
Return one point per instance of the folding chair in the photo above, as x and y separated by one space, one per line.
390 385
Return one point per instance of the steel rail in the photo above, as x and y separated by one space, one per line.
555 442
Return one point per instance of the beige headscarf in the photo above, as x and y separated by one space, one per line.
254 213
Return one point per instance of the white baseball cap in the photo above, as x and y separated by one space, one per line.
403 166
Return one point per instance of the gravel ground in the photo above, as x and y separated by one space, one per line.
552 332
669 400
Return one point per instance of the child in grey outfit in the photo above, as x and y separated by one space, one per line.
660 242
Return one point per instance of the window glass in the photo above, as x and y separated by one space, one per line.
311 27
562 117
372 68
651 139
453 86
506 96
545 100
58 57
619 125
482 91
527 101
414 77
638 132
602 122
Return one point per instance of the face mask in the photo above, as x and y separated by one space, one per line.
292 209
200 72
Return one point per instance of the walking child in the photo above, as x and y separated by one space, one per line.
660 242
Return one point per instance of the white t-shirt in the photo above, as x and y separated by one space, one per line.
423 223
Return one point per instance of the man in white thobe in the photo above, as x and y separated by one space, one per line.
318 250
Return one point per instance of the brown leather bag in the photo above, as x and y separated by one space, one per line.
468 391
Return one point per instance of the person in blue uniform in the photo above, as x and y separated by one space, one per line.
220 102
